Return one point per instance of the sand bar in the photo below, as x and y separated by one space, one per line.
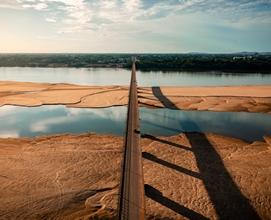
229 98
189 175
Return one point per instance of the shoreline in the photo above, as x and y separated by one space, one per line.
252 98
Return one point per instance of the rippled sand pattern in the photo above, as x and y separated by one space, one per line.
199 176
63 177
229 98
190 175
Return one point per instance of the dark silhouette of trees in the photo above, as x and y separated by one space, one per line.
239 62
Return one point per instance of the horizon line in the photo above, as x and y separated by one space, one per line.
238 52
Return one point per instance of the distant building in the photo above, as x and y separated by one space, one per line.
242 57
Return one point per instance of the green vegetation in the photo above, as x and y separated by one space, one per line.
241 62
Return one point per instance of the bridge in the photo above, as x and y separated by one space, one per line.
132 201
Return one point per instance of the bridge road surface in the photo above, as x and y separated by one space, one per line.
132 201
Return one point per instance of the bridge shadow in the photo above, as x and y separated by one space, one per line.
146 97
224 193
148 136
163 99
156 91
174 130
145 104
180 169
157 196
228 200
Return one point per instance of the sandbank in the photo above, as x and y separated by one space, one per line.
190 175
254 98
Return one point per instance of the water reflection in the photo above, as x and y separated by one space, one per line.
248 126
22 121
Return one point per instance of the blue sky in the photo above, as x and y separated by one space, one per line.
91 26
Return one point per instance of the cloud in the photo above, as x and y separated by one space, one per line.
39 6
10 4
151 25
53 20
84 15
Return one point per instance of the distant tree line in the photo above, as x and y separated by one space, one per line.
239 62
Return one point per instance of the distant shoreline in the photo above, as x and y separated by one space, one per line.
239 63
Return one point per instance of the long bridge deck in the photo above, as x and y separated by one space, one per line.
132 202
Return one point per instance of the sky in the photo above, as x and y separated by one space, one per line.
134 26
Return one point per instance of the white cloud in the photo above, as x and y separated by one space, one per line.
168 25
10 4
132 5
39 6
53 20
87 15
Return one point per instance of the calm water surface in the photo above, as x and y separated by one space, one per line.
110 76
22 121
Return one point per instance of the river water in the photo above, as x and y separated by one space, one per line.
45 120
110 76
23 121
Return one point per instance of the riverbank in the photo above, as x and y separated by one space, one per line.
248 62
187 175
223 98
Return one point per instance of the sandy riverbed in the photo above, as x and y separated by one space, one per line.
189 175
229 98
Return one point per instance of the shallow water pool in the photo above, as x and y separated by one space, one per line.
57 119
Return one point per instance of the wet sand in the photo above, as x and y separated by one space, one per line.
190 175
227 98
